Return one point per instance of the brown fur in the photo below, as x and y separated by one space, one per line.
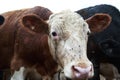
21 46
109 71
99 20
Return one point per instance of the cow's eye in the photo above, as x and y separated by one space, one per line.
54 33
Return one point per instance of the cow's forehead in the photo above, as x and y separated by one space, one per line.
66 20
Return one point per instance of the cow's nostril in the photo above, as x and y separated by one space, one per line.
91 68
74 69
81 72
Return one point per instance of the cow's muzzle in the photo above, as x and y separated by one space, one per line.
82 72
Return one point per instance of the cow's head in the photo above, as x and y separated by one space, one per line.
68 35
68 41
1 19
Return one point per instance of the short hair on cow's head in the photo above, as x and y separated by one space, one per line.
2 19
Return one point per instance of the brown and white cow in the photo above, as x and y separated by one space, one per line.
69 35
32 43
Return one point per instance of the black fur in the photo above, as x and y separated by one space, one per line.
108 41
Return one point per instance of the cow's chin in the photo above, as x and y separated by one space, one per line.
69 73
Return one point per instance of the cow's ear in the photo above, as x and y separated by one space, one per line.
98 22
35 23
2 19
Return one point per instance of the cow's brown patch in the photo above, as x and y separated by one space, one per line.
23 46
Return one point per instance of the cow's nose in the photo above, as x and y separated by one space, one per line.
81 72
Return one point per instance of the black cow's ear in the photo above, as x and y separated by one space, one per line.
2 19
35 23
99 22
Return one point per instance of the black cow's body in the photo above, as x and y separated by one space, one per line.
104 46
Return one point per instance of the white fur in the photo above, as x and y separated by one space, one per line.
72 43
18 75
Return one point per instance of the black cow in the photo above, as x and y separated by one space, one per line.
104 46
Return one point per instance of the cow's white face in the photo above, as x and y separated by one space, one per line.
68 43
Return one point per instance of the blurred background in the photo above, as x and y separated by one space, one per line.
54 5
